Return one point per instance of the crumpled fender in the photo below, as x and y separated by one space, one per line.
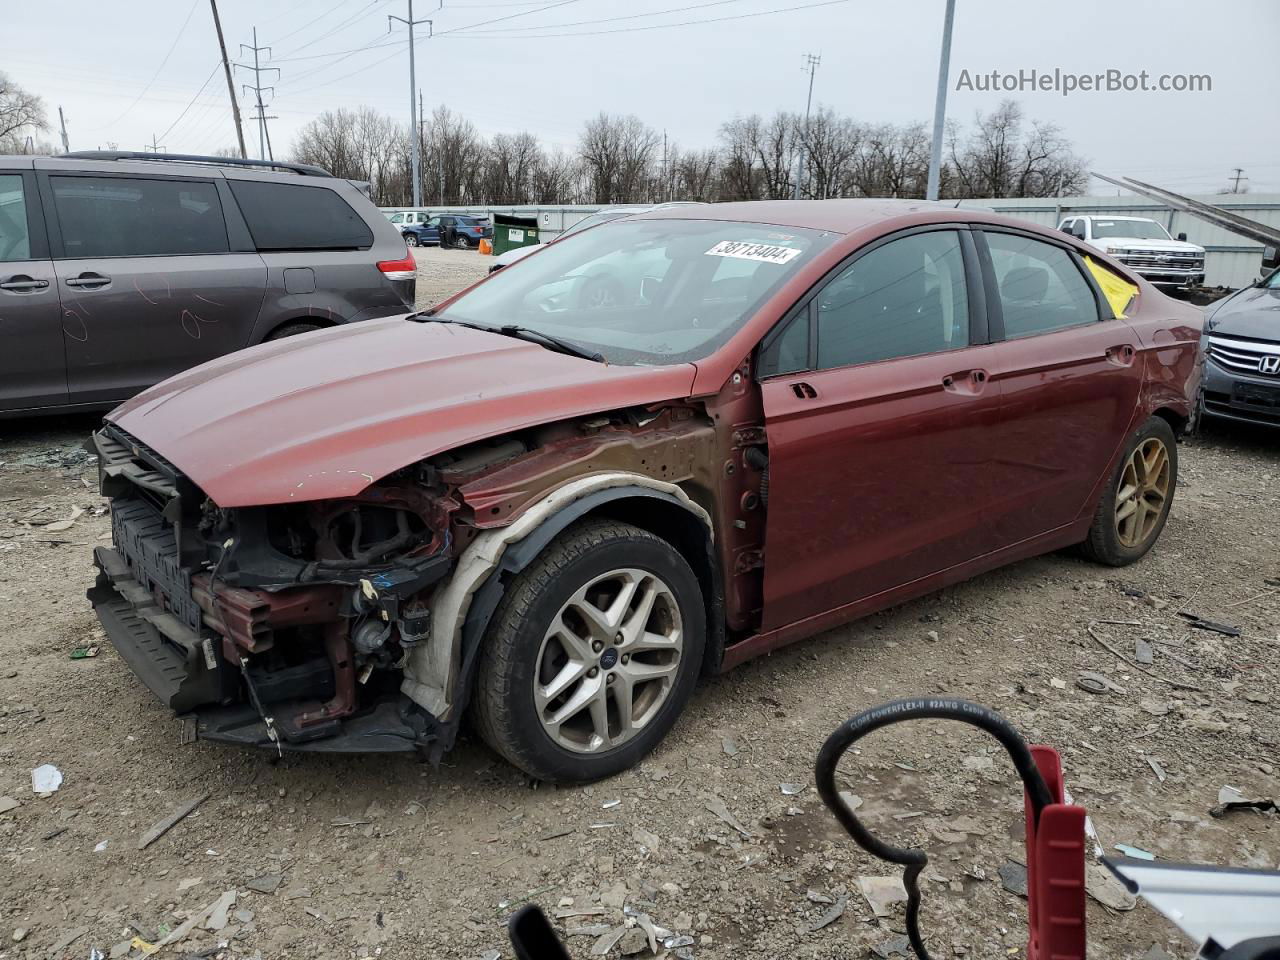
432 669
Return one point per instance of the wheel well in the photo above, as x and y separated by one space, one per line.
688 534
322 322
1177 422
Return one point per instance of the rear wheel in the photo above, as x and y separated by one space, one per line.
292 330
592 654
462 243
1135 505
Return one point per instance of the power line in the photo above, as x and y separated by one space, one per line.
212 73
345 23
630 16
310 23
168 54
656 26
510 16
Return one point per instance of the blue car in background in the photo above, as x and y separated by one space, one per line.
460 232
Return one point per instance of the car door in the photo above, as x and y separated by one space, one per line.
877 409
430 231
1069 376
33 368
149 281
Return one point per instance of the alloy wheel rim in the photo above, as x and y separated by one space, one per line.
1142 492
608 661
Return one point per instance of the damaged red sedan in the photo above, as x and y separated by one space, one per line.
650 451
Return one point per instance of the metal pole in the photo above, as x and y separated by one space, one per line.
811 64
66 147
231 87
262 136
413 114
940 105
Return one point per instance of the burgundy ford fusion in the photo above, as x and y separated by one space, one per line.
655 449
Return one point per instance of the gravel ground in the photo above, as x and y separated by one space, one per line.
354 857
442 273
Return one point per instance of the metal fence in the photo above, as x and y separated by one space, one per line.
1231 260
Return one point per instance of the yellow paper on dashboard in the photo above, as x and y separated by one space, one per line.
1118 291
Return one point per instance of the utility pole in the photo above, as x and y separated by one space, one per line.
940 104
811 65
1235 186
231 87
257 88
154 146
662 195
66 147
413 101
422 123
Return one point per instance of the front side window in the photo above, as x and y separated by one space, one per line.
903 299
287 216
397 218
135 217
15 243
645 291
1041 290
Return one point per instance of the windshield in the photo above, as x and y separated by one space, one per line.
1141 229
644 291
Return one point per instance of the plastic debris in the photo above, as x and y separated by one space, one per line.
1230 798
610 804
100 847
163 826
791 789
676 942
1014 878
8 803
85 653
816 897
717 806
1197 622
1106 889
608 941
1156 768
490 955
1136 852
142 946
834 913
45 780
881 892
96 954
730 746
894 945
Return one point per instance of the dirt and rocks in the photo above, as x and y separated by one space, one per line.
354 857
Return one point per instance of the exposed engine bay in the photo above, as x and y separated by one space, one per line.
352 624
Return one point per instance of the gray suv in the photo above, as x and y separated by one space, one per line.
118 270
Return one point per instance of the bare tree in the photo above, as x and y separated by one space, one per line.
21 115
617 155
996 158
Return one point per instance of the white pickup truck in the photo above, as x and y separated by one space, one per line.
1144 246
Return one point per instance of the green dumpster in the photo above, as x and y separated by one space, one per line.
511 232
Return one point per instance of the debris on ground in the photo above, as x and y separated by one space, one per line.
1136 852
7 804
265 883
85 653
791 789
1097 683
882 892
717 806
894 946
1014 878
1102 885
832 914
45 780
1197 622
163 826
1231 798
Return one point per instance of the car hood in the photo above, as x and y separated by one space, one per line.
1252 312
1169 246
325 414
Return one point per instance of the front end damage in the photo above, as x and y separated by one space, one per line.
350 625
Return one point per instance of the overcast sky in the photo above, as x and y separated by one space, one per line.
125 71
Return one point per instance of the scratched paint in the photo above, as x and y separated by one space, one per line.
83 335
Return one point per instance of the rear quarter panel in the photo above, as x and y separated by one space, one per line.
1169 331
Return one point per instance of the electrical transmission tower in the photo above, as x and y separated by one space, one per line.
264 135
811 62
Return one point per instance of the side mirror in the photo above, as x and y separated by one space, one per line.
1182 237
1270 259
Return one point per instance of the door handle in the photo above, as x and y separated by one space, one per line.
967 381
1122 355
23 282
804 391
88 281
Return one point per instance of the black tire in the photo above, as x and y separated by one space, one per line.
462 243
1104 543
292 330
411 239
504 711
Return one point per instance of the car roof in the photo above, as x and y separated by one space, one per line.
1107 216
839 216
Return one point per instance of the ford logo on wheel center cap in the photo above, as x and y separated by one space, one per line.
609 659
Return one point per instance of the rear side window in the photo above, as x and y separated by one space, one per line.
136 217
15 244
286 216
1041 290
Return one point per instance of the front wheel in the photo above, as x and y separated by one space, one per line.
592 654
411 239
1136 503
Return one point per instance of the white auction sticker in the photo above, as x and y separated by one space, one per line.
745 250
